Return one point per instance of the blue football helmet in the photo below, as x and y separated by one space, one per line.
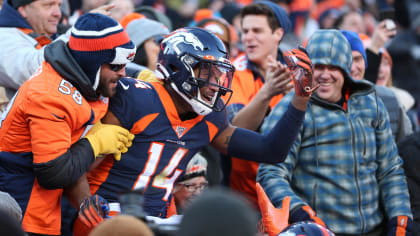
192 58
306 228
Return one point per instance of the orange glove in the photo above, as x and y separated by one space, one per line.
301 66
93 210
274 220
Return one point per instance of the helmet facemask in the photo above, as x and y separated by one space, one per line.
195 63
213 73
207 72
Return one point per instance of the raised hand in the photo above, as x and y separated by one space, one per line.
380 36
301 66
104 9
277 79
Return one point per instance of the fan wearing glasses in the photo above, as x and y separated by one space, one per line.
189 186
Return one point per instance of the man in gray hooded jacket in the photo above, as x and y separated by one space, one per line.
344 168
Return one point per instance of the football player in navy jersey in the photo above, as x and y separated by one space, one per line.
173 119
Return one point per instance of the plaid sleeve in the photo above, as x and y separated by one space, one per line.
275 178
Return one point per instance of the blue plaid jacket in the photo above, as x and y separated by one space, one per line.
344 164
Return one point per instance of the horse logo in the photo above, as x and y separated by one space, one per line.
183 37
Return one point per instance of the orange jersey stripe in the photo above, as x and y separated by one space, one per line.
212 130
172 113
98 175
142 124
97 44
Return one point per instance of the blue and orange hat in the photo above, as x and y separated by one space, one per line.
97 39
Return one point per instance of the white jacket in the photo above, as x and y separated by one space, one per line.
19 58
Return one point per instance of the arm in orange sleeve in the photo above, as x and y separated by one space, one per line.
57 162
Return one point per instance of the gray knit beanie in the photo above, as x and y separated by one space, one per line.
140 30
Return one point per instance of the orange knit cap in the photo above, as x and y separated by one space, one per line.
203 14
130 17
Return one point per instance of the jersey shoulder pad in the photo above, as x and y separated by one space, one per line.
134 99
219 119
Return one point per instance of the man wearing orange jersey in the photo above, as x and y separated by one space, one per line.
42 152
257 89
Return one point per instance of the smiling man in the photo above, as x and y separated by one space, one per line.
42 149
344 165
26 26
257 89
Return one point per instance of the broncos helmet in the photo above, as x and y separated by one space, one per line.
192 58
306 228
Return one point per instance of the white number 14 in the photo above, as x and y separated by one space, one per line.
161 180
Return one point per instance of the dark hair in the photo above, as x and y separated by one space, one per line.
141 57
18 3
339 21
261 9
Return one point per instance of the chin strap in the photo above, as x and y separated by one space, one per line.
198 108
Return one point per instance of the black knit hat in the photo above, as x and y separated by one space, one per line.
218 212
17 3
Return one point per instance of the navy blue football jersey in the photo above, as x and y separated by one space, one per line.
162 147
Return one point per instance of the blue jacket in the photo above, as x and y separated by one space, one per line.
344 164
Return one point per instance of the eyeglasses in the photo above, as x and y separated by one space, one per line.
194 187
116 67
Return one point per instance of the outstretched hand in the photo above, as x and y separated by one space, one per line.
274 220
301 67
104 9
380 36
277 79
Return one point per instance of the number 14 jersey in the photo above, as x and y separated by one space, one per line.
161 149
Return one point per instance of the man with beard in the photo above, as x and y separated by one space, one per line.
42 152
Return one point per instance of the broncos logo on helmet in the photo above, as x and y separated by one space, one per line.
183 37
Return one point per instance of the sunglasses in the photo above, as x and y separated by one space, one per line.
116 67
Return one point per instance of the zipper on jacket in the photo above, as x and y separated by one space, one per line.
359 203
364 137
314 196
